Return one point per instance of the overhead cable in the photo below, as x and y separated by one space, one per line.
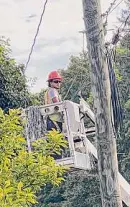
121 28
37 31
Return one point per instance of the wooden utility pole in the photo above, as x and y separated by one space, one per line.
106 142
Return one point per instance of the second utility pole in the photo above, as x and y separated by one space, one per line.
106 142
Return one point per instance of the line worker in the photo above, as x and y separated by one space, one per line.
52 96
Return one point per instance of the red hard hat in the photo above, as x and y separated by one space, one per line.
54 75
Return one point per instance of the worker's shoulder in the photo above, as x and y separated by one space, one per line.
52 91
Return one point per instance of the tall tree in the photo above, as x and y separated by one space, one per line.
13 86
76 78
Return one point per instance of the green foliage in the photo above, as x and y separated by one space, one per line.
121 51
123 64
79 189
84 190
23 173
13 86
127 105
37 98
124 87
52 145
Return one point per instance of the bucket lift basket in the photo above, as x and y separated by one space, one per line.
74 131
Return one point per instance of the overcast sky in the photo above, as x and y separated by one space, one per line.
59 36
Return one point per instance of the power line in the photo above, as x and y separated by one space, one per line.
70 86
37 31
116 6
116 105
110 10
126 21
116 37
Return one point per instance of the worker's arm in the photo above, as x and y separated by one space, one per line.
55 99
53 95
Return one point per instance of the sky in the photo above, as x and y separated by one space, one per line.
58 38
